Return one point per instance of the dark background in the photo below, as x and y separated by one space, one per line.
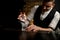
9 13
8 19
57 5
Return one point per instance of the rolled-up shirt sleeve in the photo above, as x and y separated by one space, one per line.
55 20
31 13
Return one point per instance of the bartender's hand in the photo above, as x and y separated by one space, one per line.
33 28
22 16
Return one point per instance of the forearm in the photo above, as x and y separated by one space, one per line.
45 29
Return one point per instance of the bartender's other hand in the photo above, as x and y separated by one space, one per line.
22 16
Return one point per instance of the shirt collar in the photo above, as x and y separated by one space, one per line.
48 11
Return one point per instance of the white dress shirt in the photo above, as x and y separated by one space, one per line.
31 13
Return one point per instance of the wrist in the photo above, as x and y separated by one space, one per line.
50 29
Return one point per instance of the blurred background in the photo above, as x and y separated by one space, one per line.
9 11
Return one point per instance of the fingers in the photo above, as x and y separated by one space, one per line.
29 28
32 28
